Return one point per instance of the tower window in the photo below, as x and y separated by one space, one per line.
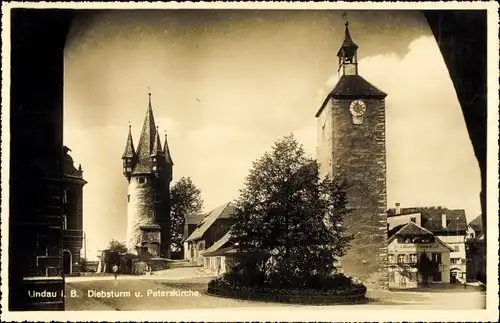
65 222
65 196
141 180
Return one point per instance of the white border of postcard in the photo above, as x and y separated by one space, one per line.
302 313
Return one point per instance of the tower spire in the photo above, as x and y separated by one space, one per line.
347 54
157 151
146 140
129 148
166 151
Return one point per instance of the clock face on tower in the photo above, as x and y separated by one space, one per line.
357 109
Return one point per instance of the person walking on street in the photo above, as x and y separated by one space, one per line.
115 270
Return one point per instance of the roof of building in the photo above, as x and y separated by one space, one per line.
195 218
221 243
146 142
412 229
409 229
477 224
352 87
431 218
166 150
348 44
129 148
225 211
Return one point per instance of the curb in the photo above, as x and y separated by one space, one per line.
288 298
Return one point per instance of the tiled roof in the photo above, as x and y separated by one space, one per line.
219 243
412 229
195 218
157 150
477 224
129 148
146 143
432 218
225 211
352 87
166 150
355 86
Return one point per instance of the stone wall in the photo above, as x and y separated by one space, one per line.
357 153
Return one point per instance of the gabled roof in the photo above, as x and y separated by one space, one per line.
431 218
225 211
221 243
412 229
195 218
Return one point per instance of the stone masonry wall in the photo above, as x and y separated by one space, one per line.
358 154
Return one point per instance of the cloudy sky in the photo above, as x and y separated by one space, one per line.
227 84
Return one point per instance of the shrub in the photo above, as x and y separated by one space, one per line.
334 285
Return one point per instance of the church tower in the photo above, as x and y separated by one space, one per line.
148 170
351 145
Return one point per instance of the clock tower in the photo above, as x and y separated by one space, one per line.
351 146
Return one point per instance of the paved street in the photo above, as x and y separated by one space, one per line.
184 288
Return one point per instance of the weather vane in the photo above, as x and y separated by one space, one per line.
344 16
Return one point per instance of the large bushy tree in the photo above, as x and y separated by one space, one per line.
185 199
287 210
115 245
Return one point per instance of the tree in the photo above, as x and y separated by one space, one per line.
426 267
115 245
185 199
286 210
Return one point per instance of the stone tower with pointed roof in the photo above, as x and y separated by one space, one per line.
351 145
148 170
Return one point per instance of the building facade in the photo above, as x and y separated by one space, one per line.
450 226
73 235
351 146
148 170
36 157
212 228
406 245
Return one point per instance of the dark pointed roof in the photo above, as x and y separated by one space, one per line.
166 151
348 44
146 142
157 150
352 87
129 148
477 224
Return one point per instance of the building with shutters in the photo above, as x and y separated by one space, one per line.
407 243
450 226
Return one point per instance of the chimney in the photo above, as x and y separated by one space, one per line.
398 208
443 220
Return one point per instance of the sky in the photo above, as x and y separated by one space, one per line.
227 84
